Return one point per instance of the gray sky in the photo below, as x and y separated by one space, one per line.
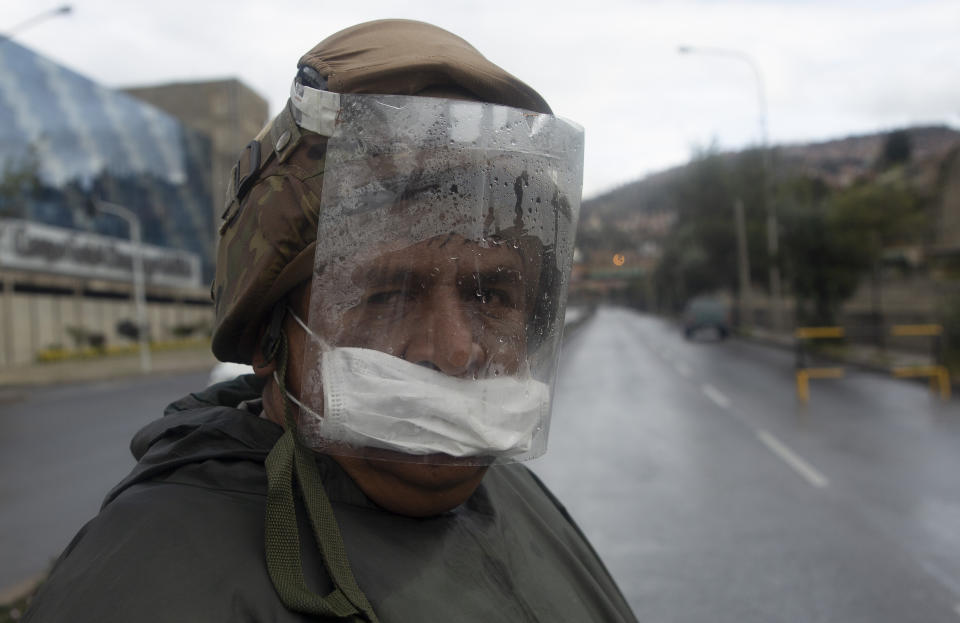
830 68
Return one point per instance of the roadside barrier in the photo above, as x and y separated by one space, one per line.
937 372
804 372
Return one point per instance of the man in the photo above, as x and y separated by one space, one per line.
394 266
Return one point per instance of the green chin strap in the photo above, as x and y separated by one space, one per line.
289 460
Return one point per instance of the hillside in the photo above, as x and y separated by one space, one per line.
837 162
885 202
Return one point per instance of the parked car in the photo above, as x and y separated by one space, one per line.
227 371
706 313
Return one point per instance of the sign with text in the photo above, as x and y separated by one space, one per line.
31 246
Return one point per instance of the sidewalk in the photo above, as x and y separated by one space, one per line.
186 359
863 356
194 358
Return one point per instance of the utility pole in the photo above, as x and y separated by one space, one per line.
773 246
139 286
65 9
743 265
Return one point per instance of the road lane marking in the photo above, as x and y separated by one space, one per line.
957 609
787 455
682 369
715 395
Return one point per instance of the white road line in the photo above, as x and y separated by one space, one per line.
800 466
682 369
715 395
957 609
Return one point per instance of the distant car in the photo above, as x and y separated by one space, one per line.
706 313
227 371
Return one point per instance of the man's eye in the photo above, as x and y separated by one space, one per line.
493 296
387 297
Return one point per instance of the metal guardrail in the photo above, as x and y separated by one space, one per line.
818 332
935 371
913 330
804 372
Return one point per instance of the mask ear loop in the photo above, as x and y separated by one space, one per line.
324 345
289 460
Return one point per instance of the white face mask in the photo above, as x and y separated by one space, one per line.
373 399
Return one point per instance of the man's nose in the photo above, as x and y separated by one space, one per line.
446 338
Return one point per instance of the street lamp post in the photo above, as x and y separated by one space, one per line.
65 9
139 288
773 245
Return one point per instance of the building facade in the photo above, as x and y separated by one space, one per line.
65 269
226 111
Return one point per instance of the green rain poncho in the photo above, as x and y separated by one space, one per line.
182 539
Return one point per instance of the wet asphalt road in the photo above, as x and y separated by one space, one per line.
709 494
61 450
713 497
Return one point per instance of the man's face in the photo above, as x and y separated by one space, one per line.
446 303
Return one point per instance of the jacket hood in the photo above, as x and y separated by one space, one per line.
202 426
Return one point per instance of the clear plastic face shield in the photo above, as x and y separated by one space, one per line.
445 241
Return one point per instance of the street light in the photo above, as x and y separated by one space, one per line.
133 221
65 9
772 234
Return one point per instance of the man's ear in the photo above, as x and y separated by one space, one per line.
268 346
262 366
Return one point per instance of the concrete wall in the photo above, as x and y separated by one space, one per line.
34 321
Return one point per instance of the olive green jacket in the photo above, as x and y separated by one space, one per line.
182 539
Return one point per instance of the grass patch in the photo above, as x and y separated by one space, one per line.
14 610
56 354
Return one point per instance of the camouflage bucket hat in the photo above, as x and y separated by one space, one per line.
268 234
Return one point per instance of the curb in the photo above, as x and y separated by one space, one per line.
21 590
103 368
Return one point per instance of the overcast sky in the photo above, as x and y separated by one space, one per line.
830 68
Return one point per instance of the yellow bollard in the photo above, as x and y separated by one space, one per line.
943 376
807 333
803 386
939 377
805 374
916 330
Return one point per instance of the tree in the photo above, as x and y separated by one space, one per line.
700 252
19 181
831 240
897 149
